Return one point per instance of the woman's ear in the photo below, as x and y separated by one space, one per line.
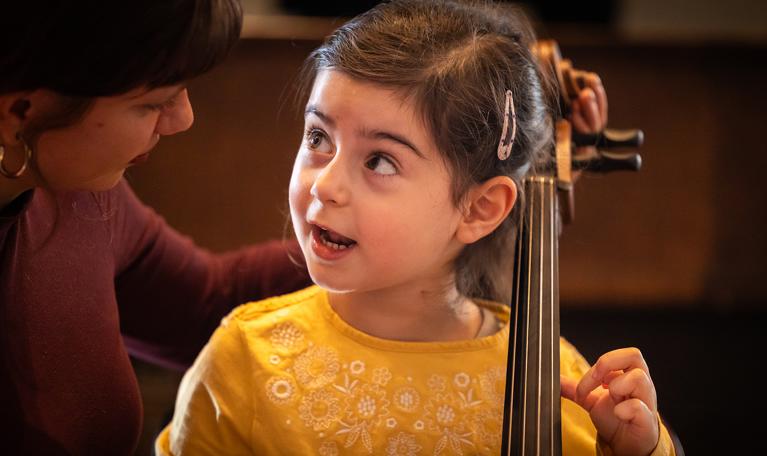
20 109
486 206
14 111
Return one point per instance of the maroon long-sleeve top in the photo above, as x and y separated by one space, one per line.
87 278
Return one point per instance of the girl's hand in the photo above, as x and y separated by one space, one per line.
620 397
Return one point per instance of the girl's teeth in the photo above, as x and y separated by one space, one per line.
333 245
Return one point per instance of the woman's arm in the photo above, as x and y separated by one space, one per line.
173 294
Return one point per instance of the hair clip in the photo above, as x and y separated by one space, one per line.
507 138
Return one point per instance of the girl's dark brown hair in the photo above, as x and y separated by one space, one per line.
455 60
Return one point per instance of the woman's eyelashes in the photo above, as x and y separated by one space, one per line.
165 105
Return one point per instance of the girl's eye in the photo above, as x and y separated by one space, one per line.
381 165
315 139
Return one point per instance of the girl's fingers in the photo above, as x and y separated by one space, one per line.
634 384
617 360
636 413
568 389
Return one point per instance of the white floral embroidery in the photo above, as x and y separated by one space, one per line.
348 385
454 439
492 385
316 367
328 448
402 444
357 367
437 383
407 399
381 376
367 403
319 409
487 424
468 400
441 412
280 390
286 336
461 380
442 417
351 405
365 408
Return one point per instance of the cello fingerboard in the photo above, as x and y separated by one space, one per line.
532 406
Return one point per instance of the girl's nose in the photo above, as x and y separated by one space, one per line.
330 184
176 118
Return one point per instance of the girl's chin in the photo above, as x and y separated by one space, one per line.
331 282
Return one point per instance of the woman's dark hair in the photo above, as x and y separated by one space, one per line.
90 48
455 60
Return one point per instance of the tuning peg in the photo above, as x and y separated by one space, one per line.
605 162
610 138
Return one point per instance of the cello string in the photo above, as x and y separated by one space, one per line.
530 183
541 184
552 229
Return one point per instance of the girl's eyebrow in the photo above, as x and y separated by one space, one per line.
380 134
313 109
373 134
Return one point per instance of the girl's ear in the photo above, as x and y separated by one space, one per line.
486 206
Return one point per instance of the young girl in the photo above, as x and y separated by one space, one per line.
405 211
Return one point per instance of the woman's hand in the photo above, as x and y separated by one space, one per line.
589 110
620 397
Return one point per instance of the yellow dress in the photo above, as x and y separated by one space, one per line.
287 376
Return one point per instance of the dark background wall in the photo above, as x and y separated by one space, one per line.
669 259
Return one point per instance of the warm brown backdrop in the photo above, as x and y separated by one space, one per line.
670 259
686 230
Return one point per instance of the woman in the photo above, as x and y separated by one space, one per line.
87 89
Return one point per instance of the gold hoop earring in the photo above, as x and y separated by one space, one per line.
27 158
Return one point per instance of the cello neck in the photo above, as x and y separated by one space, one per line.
532 419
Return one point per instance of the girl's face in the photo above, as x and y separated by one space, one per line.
370 194
115 133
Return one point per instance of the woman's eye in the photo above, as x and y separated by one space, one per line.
315 140
161 106
381 165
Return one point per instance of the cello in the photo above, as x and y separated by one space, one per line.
531 418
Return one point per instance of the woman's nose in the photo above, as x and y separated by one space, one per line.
176 118
331 185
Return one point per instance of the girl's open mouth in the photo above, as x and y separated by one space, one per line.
330 245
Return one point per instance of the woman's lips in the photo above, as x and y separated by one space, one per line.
145 156
327 250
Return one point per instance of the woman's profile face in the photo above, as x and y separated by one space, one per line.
115 133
